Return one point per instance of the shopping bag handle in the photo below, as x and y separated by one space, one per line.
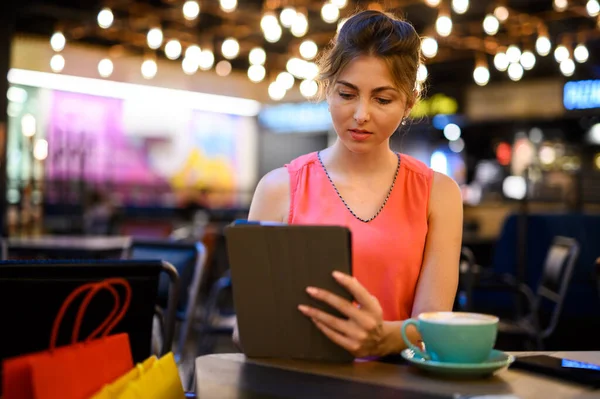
83 307
110 321
72 296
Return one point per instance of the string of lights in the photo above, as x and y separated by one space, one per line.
509 39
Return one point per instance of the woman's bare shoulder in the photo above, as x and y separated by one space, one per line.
272 197
445 195
276 178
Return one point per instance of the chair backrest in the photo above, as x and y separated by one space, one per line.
597 271
581 301
463 300
187 258
219 298
556 277
66 247
4 249
31 293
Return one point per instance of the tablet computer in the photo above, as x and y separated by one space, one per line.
271 266
566 369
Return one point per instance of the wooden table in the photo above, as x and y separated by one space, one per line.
235 376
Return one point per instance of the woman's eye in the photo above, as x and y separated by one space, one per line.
383 101
345 96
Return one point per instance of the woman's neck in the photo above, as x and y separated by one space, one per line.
339 159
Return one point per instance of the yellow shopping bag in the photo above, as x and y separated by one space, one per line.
160 381
153 379
114 389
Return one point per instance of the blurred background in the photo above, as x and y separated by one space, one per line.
156 119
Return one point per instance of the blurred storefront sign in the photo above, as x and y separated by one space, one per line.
303 117
583 94
114 142
438 104
523 100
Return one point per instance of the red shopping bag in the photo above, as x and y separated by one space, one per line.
78 370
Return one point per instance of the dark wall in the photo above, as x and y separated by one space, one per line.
277 149
7 21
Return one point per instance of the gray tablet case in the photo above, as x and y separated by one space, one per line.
270 268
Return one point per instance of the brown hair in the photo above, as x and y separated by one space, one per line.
378 34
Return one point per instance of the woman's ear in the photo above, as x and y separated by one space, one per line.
410 103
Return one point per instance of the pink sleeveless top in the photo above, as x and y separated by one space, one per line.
387 252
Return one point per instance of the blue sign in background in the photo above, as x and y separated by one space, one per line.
583 94
296 117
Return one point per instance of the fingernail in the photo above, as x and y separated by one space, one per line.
303 308
338 275
312 290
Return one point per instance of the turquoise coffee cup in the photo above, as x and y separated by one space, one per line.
454 337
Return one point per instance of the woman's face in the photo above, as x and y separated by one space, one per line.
366 106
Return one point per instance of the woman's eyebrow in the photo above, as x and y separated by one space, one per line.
375 90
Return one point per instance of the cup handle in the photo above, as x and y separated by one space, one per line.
410 345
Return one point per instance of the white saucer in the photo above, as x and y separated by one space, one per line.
497 360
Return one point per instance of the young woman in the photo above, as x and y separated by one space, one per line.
405 219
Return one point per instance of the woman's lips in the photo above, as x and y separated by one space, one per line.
360 135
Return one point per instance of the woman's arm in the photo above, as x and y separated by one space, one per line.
438 281
271 199
365 333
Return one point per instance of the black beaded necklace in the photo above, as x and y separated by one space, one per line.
387 197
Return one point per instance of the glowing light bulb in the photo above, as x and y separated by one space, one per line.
154 38
308 49
429 47
105 68
173 49
543 46
105 18
149 69
58 41
481 75
230 48
191 10
491 24
443 26
57 63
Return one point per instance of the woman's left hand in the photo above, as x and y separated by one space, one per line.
362 334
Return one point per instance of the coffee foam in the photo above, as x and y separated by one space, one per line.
458 318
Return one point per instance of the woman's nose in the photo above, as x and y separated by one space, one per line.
361 114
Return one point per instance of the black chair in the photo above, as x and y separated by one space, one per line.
65 247
4 249
463 299
31 293
549 296
218 319
189 260
598 274
218 315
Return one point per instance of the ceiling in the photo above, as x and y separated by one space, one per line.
453 64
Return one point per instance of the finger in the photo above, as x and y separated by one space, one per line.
343 327
344 306
360 293
344 342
